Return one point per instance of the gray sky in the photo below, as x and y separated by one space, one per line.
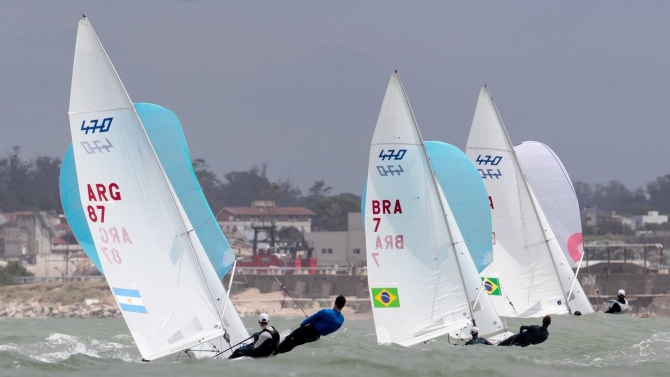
299 85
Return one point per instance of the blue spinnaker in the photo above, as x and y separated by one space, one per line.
169 142
74 211
467 197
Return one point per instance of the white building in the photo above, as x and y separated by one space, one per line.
264 213
340 248
652 217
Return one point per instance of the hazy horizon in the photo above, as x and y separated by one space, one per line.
299 85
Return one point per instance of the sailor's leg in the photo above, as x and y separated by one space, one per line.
298 337
238 353
509 341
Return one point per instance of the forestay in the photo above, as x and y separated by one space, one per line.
529 265
156 266
422 279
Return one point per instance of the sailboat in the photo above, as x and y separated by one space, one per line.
423 281
146 223
553 188
530 270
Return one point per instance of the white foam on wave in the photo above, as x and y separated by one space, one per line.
654 349
58 347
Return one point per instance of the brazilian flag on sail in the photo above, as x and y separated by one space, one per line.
385 297
492 286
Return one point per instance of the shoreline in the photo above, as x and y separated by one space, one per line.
95 300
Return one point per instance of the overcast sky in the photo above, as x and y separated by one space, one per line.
299 85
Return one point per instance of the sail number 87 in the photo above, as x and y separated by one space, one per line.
93 214
115 255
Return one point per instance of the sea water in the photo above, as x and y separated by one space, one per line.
590 345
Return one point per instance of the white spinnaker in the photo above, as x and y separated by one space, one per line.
532 271
551 184
145 241
553 188
409 245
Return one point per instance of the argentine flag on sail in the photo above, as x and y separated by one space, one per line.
129 300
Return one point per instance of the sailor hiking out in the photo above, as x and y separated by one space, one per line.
529 334
265 341
474 331
620 305
324 322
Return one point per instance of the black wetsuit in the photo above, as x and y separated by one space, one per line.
301 335
265 343
477 340
616 308
527 335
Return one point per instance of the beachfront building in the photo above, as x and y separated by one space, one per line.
25 234
264 213
652 217
342 249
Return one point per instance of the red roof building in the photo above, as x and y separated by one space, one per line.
232 219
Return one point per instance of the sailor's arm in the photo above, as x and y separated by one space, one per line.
311 319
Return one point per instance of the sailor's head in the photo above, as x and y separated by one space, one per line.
546 321
474 331
578 313
263 319
621 293
340 301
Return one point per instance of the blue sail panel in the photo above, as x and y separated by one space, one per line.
169 142
467 197
73 209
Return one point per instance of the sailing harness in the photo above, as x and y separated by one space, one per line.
267 348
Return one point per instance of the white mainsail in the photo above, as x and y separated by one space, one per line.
421 276
529 265
169 293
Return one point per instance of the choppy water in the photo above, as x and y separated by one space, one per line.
588 345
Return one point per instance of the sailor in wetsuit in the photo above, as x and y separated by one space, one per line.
474 331
265 341
529 334
324 322
620 305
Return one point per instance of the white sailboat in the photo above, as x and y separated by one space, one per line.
529 266
170 294
422 279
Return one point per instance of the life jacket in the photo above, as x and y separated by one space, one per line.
624 306
268 347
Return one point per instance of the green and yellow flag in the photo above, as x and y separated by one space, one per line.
385 297
492 286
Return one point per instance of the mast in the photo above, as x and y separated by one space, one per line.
532 198
437 190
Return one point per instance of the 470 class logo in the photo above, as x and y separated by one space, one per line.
96 125
392 154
